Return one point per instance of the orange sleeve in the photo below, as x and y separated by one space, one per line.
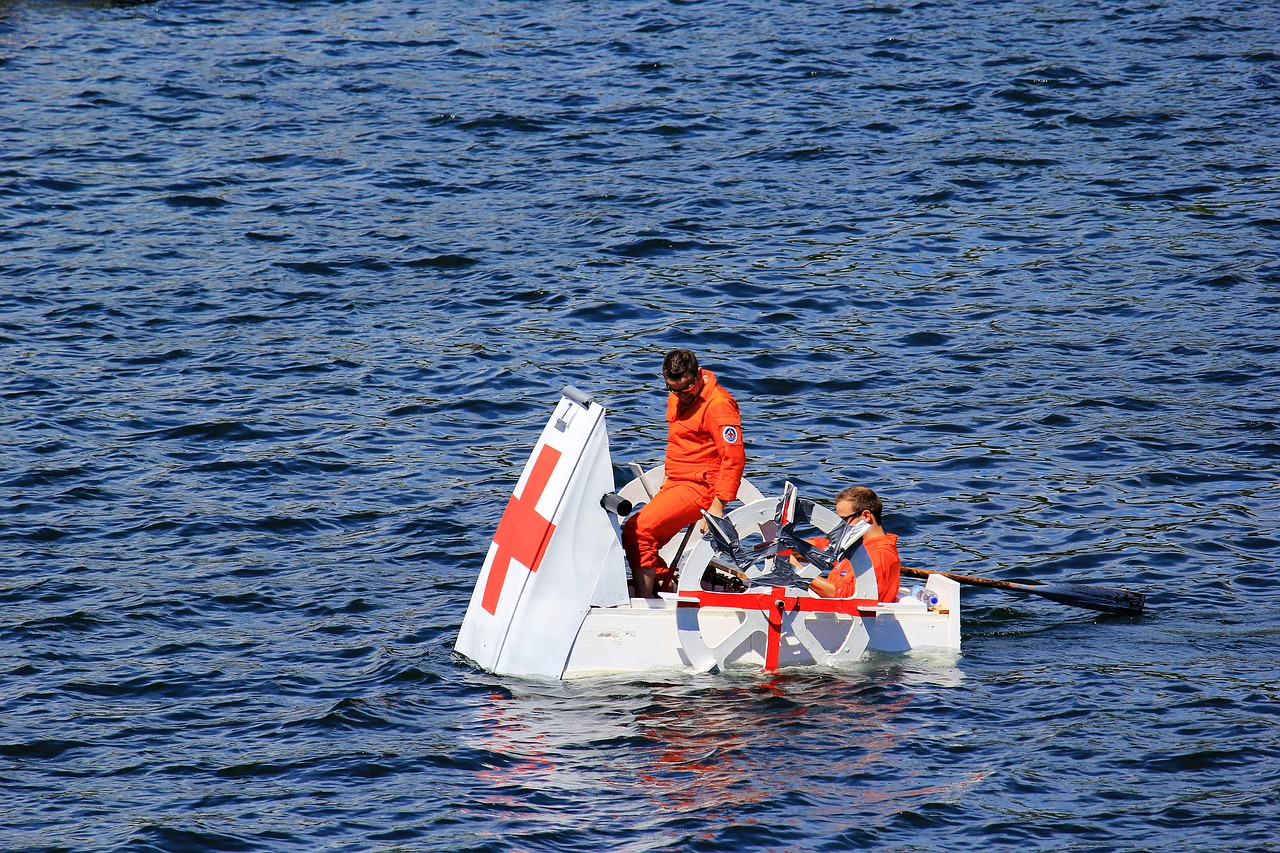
844 579
724 423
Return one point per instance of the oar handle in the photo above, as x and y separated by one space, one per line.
969 579
688 531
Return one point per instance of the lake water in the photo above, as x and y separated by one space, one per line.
287 291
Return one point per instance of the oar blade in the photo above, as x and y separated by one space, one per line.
1091 597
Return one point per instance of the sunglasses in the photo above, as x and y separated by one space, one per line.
682 387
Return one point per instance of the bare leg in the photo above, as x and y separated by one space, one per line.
642 581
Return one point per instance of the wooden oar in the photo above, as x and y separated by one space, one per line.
1074 594
688 531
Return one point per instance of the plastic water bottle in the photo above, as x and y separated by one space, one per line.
928 596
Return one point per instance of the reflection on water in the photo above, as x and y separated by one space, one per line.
717 746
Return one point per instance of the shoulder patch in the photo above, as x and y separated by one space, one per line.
731 434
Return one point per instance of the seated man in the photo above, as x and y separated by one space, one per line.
703 468
854 504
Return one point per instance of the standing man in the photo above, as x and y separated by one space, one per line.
704 464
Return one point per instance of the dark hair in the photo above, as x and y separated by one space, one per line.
863 498
678 363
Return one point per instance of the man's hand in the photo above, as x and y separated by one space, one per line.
716 509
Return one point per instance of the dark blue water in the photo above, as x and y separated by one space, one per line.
288 289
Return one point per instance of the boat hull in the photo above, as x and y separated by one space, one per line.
645 635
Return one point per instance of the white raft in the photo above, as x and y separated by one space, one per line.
552 597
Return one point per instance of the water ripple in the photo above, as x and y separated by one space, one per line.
289 291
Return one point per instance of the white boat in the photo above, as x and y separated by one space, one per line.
552 596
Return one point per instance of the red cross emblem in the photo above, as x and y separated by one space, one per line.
522 534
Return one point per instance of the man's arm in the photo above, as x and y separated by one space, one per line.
726 431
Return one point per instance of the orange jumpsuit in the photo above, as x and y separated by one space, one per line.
883 552
705 460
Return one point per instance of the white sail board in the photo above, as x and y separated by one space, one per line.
556 551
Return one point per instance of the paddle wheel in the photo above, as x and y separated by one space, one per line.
779 622
740 601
